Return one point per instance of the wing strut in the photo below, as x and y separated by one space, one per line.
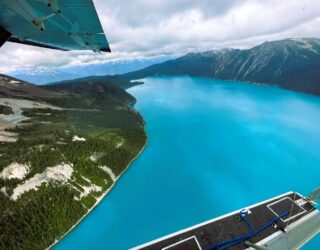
4 36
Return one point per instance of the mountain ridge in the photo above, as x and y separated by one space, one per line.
11 87
290 63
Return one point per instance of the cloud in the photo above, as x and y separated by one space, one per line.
140 28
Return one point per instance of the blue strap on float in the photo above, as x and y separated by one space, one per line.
251 233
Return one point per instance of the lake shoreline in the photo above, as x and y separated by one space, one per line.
226 80
200 132
99 199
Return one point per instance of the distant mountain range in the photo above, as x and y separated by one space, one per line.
42 75
291 63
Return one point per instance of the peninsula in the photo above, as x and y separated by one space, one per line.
62 148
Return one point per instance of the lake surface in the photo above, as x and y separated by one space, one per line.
213 147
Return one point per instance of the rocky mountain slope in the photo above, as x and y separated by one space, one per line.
14 88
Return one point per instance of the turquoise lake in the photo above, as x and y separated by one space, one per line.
213 147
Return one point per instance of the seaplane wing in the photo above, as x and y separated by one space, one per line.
56 24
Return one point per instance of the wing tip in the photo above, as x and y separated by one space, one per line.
107 49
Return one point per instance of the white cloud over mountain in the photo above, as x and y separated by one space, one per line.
141 28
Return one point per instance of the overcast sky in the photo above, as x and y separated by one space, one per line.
140 28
